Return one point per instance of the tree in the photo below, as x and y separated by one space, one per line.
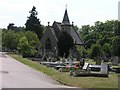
116 45
77 28
28 44
107 49
24 47
10 26
10 40
0 39
95 51
103 40
33 23
15 28
99 26
102 33
32 39
85 30
64 43
117 32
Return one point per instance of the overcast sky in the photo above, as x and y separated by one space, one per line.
81 12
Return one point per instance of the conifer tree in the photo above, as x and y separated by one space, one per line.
65 43
33 23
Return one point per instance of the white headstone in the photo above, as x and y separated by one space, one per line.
85 66
104 68
70 61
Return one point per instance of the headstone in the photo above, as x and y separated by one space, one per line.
70 54
104 68
82 62
104 57
70 61
98 60
115 60
85 66
63 60
78 55
44 51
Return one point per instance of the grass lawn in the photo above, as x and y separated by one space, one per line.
90 61
64 78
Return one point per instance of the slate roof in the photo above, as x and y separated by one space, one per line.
66 18
53 31
76 36
56 29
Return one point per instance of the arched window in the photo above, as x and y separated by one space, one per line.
48 43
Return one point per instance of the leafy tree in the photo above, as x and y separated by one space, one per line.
10 40
116 45
101 33
89 43
85 30
64 43
33 23
103 40
95 51
107 49
24 47
0 39
81 51
90 39
76 28
10 26
15 28
117 31
32 39
28 44
99 26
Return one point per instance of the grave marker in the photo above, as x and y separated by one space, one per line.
104 68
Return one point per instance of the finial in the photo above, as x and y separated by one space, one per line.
73 23
48 23
66 6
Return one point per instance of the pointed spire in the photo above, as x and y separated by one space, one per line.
66 18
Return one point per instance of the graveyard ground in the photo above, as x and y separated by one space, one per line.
64 78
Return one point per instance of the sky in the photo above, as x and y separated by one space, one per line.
81 12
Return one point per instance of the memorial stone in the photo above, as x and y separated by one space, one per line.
104 68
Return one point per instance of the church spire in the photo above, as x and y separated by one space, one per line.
66 18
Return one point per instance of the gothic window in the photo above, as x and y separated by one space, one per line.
48 43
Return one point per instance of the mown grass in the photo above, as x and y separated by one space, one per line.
64 78
90 61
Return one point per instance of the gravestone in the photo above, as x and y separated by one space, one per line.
97 60
70 61
63 60
115 60
104 57
104 68
86 66
82 62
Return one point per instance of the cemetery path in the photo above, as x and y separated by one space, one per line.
17 75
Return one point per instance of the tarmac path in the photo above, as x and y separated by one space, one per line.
14 74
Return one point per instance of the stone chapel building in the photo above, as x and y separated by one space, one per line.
52 34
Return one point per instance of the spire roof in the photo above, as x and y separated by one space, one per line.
66 18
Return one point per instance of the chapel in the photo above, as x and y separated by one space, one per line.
52 34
